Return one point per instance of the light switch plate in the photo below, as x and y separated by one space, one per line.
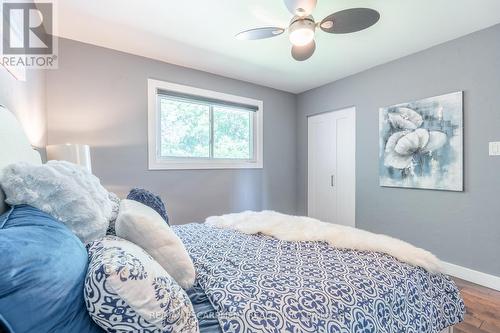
494 148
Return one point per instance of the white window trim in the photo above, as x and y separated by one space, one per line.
156 163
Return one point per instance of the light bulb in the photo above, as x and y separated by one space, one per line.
301 37
302 32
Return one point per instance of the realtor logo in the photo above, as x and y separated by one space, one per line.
27 35
36 34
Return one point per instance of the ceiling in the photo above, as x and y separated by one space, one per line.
200 34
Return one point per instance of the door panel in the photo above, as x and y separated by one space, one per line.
331 167
346 169
321 162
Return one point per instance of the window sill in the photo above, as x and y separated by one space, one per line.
203 164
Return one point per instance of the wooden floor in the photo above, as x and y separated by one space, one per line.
482 309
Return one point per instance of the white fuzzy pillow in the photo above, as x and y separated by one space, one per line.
145 227
64 190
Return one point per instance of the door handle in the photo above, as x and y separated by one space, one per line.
332 180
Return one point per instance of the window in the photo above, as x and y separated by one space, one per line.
191 128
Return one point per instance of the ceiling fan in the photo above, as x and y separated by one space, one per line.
302 27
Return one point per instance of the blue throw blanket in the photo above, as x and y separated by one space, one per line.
260 284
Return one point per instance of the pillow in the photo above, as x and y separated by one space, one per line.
143 226
66 191
149 199
43 266
128 291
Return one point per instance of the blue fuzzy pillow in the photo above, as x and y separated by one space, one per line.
43 267
149 199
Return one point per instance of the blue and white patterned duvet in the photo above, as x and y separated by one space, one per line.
260 284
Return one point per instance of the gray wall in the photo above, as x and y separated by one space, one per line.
99 97
462 228
26 99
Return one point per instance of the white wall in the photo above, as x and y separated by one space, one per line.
27 101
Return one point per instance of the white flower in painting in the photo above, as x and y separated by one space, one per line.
411 142
405 119
436 140
392 158
401 147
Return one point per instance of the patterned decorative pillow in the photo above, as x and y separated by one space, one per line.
149 199
126 290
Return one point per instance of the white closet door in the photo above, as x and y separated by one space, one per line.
331 166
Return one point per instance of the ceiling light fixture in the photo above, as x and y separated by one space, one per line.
302 27
302 31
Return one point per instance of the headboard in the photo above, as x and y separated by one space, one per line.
14 145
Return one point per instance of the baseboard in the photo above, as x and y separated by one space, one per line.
467 274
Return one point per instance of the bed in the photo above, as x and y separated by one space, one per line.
257 283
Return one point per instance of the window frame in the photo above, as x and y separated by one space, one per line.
155 162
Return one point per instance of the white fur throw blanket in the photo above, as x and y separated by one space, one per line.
297 228
64 190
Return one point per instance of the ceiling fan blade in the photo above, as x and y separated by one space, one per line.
260 33
301 53
300 7
349 20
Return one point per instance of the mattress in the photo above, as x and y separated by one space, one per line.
258 283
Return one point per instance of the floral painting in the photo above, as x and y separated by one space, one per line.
421 144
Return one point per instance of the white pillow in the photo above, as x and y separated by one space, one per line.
128 291
145 227
68 192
